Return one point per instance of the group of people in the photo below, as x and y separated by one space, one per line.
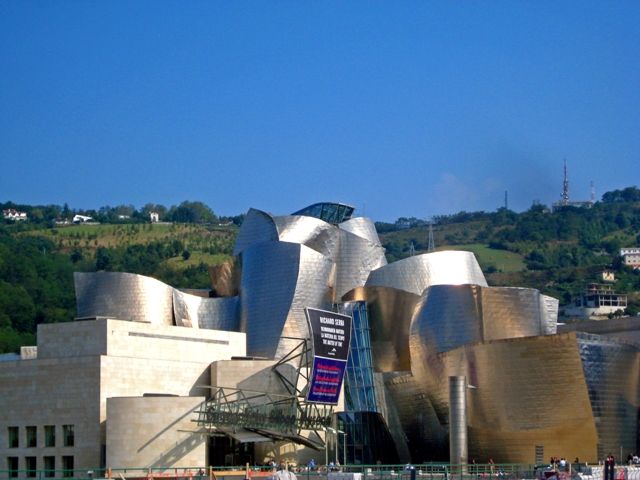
561 464
633 459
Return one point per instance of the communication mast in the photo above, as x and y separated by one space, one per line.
593 193
565 186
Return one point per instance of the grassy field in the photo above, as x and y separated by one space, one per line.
502 260
196 258
93 236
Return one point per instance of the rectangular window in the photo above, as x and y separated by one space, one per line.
32 436
49 466
49 435
12 466
67 465
13 437
30 464
68 436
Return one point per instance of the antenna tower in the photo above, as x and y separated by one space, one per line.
565 185
506 200
431 246
593 193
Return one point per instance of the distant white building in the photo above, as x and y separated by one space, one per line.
81 219
12 214
598 300
631 257
154 217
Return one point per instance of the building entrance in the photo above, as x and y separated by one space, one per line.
224 451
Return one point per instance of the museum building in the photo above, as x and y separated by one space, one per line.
151 376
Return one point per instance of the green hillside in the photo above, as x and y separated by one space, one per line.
490 259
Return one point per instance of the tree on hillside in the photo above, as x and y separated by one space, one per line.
629 194
191 212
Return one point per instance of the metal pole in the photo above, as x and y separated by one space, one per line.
344 448
458 442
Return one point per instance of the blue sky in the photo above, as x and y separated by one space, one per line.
399 108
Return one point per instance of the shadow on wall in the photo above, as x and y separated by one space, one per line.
199 388
168 459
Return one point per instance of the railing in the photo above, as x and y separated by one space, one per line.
425 471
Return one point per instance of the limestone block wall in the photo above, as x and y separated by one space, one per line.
89 338
82 364
52 392
154 432
253 375
139 340
161 342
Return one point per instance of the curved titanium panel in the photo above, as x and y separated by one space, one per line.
356 259
510 312
362 227
612 372
353 255
449 316
210 313
307 230
124 296
390 312
425 436
446 317
257 227
279 280
537 396
414 274
549 308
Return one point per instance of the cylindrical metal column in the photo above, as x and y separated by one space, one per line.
458 443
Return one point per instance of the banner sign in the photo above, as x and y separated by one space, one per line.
330 339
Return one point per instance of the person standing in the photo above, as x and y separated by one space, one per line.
283 473
609 467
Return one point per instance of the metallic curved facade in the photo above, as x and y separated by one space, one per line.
362 227
309 231
295 261
390 314
356 259
128 296
449 316
124 296
415 274
258 226
537 396
209 313
612 372
279 280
